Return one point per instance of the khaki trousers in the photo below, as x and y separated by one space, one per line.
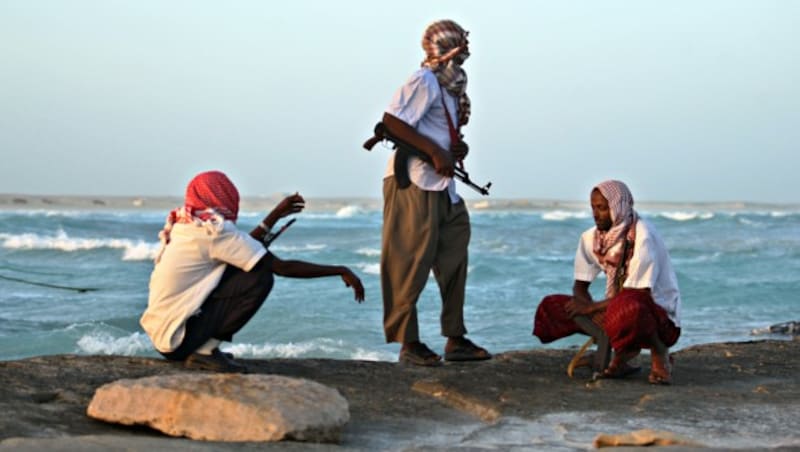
422 231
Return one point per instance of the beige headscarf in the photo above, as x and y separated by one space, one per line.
609 245
445 45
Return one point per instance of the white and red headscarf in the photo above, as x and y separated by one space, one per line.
445 45
210 199
608 245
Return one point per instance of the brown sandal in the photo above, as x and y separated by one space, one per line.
620 370
418 354
466 350
619 367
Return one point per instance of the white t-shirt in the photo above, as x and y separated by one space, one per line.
650 267
418 103
190 268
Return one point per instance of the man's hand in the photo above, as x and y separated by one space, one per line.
291 204
459 150
351 280
443 163
577 306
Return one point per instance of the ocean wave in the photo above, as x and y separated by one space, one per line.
103 343
369 252
306 247
562 215
686 216
349 211
750 222
133 250
371 355
544 258
315 347
140 251
782 214
48 213
702 258
765 213
370 269
136 216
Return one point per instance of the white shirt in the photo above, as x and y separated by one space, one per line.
190 268
650 267
418 103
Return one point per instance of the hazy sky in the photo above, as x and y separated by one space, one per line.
684 100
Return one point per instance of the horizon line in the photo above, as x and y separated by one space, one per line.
137 201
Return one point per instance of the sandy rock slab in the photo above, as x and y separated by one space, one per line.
225 407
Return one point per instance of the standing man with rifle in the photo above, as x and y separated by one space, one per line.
425 222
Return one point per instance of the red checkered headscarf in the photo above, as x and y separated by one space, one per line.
446 48
210 198
212 190
608 245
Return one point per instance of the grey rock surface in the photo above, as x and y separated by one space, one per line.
743 396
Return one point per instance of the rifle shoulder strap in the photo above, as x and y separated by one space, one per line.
401 176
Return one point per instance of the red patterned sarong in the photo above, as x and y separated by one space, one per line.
552 321
632 317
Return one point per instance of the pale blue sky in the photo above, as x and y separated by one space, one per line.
684 100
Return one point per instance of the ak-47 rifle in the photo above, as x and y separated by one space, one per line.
404 150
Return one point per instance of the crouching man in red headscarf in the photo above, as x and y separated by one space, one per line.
642 302
210 278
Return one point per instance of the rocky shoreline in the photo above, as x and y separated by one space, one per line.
725 396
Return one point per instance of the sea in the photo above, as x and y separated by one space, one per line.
74 280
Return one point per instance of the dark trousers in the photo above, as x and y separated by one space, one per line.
228 307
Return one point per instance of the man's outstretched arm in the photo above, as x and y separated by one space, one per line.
302 269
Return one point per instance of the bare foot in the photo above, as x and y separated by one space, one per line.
661 370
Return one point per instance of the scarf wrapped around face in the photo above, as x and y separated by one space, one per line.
608 245
210 199
445 45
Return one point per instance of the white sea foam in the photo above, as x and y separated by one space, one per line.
687 216
48 213
290 350
306 247
562 215
372 355
747 221
133 250
348 211
322 347
551 258
140 251
103 343
369 252
370 269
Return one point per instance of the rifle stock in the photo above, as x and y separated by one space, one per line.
382 133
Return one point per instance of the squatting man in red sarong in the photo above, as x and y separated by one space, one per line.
210 277
642 302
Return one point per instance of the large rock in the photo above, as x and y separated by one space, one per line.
225 407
